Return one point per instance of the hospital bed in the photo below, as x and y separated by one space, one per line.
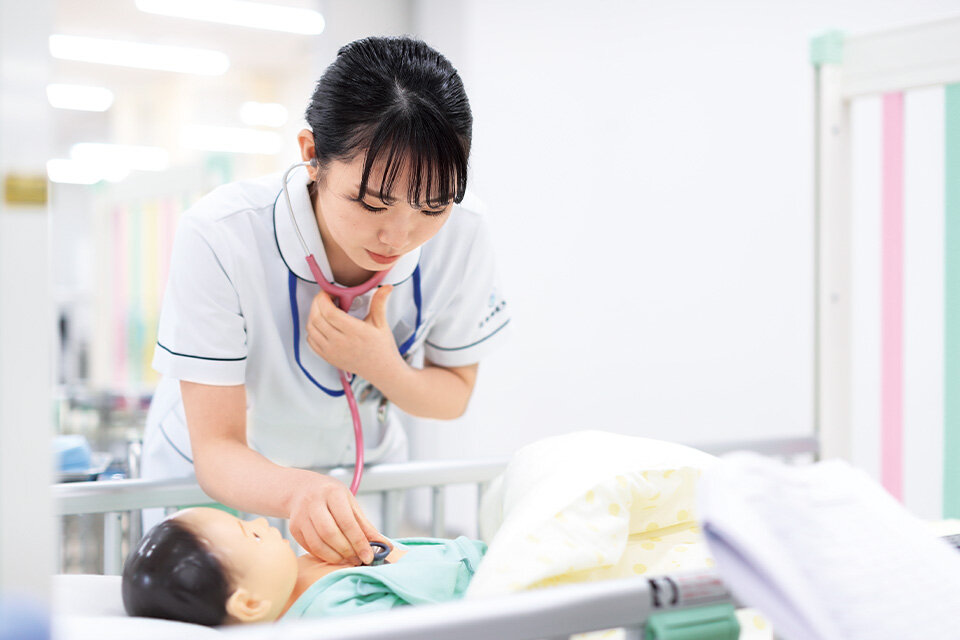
635 604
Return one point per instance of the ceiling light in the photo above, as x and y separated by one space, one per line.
78 97
263 114
230 140
258 15
141 56
125 156
66 171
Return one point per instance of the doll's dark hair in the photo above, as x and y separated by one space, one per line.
404 104
173 575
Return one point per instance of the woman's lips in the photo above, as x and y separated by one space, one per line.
381 259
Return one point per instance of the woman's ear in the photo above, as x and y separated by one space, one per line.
245 607
308 152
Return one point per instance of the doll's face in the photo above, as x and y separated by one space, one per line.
261 566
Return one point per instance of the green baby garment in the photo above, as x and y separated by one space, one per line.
433 570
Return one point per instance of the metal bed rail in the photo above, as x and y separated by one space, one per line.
115 498
550 613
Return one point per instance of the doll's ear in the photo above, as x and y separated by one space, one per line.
245 607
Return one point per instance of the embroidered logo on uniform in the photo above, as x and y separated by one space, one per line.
497 309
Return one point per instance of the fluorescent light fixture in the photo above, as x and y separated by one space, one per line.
230 139
79 97
138 55
258 15
263 114
91 162
117 157
75 172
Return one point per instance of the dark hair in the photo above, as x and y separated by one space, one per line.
402 102
173 575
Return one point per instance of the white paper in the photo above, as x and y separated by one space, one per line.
826 554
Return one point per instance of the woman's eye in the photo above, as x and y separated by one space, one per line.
256 535
433 213
369 208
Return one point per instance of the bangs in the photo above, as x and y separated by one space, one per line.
427 148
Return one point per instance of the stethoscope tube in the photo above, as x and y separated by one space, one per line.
343 297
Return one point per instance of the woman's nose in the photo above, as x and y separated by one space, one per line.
395 232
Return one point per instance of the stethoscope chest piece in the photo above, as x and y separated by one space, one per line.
379 557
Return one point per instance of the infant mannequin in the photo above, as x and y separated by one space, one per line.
206 566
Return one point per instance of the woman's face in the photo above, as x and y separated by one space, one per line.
254 554
371 233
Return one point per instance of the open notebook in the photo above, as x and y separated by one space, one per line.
826 554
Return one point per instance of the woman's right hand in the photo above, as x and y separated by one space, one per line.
326 520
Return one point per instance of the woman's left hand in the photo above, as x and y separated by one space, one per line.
364 347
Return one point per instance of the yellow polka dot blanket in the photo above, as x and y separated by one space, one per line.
589 506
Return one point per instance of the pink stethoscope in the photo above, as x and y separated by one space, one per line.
343 297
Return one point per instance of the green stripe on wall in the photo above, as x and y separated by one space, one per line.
951 388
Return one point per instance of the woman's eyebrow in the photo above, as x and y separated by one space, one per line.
376 194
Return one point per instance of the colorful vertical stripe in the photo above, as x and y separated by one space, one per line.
905 206
150 303
891 449
120 275
951 434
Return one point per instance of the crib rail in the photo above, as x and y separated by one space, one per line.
552 613
120 501
116 498
124 495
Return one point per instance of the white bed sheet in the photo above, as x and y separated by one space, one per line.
90 607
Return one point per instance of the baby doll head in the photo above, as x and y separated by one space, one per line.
208 567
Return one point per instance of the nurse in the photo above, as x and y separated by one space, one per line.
248 344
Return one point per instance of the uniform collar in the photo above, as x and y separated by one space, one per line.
289 245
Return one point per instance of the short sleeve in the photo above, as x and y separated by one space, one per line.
202 334
476 320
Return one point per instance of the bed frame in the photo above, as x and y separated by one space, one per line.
689 599
847 67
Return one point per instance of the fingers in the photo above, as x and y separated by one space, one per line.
342 511
329 530
308 538
369 530
324 315
378 306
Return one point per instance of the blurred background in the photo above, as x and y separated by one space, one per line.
647 170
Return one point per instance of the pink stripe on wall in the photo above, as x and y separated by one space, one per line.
119 295
167 222
891 329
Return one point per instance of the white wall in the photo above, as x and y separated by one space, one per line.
647 168
26 324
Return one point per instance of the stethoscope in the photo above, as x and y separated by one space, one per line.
343 297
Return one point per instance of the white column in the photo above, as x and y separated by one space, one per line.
833 348
27 546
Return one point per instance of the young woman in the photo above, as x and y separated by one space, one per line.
249 346
206 566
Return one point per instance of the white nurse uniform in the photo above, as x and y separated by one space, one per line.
234 312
